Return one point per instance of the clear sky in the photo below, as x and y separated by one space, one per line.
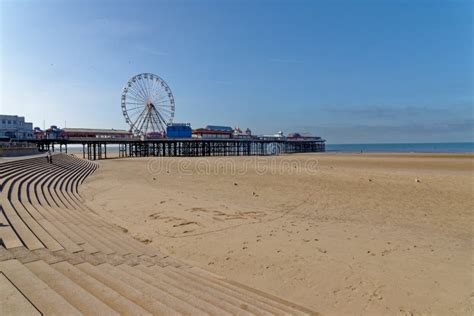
350 71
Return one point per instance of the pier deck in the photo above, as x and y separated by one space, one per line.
96 149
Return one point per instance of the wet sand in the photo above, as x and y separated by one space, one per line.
338 233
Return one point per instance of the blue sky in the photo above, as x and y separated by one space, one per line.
350 71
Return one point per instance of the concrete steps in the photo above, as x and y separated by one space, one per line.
40 215
38 293
207 303
9 238
130 292
81 299
107 295
12 301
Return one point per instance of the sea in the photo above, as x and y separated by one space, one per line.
467 147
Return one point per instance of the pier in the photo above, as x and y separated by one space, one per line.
96 149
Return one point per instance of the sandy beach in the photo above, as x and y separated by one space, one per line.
338 233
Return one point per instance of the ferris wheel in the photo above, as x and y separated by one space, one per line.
147 104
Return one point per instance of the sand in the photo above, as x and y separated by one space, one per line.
339 233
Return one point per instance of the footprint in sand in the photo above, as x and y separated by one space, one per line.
199 209
143 239
185 223
154 216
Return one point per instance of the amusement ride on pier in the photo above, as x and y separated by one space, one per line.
148 107
147 104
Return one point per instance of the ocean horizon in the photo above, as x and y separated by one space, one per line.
460 147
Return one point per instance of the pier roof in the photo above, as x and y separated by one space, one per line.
95 130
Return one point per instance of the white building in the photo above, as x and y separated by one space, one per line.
14 127
277 136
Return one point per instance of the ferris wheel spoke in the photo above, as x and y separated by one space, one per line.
166 111
137 107
134 112
135 91
135 102
163 115
136 98
164 101
164 105
159 91
133 107
167 107
160 98
145 93
153 97
138 93
139 96
150 86
155 84
145 89
154 88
